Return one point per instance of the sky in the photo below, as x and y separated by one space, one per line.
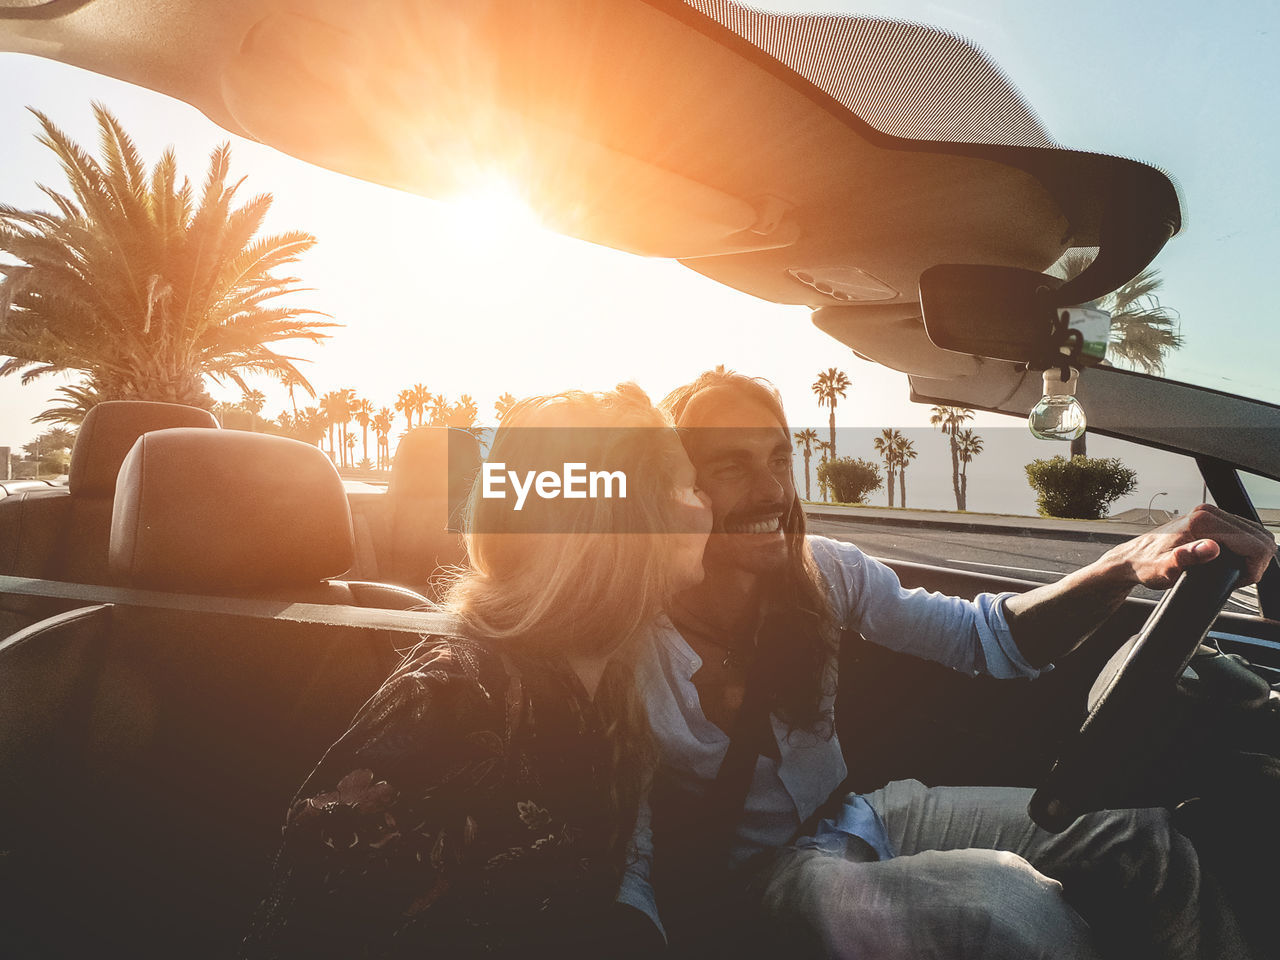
473 297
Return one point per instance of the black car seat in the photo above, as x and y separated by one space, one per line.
236 513
410 534
150 749
61 533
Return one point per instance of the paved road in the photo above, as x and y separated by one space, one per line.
1041 558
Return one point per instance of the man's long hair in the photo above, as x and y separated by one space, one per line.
797 611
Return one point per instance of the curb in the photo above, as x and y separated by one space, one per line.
964 526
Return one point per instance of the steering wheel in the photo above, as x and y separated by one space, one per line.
1128 697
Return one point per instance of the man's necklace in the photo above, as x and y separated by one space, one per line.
737 655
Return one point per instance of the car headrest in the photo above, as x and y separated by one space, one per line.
109 430
211 511
435 463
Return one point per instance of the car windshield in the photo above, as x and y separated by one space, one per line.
473 298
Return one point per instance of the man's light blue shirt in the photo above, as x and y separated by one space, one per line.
866 596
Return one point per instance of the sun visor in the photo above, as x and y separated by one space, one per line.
669 131
806 159
915 95
896 339
437 105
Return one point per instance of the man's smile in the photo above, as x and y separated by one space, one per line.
767 523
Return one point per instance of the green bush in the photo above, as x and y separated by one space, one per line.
1082 488
849 480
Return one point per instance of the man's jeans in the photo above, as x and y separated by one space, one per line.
976 878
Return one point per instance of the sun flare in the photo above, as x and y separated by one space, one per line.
493 212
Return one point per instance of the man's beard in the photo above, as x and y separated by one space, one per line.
756 541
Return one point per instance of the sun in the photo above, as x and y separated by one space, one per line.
493 213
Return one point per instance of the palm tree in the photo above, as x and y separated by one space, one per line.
334 408
904 453
421 399
363 410
290 381
826 449
323 411
503 404
382 427
464 412
463 415
948 420
253 401
887 446
52 446
1142 330
220 410
440 410
968 446
808 437
141 285
346 412
310 423
404 404
831 383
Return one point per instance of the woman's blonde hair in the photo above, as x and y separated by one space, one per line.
579 576
571 575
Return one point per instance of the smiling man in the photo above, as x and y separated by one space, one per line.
906 871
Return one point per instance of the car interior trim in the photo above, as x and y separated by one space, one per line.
1229 493
369 618
1198 421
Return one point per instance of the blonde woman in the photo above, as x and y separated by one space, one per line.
482 801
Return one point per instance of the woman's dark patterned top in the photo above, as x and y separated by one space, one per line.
465 813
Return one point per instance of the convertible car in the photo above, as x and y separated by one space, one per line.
174 658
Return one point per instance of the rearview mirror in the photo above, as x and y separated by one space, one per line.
1007 313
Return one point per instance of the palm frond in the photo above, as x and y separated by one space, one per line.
83 172
67 207
42 370
141 287
1142 286
124 169
80 399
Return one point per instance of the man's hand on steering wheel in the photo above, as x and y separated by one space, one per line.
1156 559
1128 719
1049 621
